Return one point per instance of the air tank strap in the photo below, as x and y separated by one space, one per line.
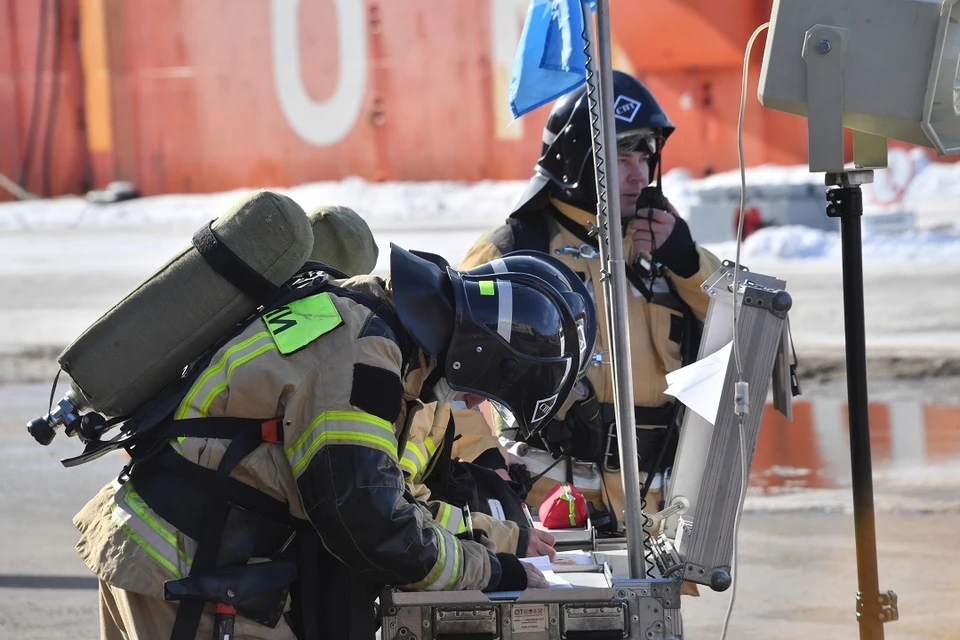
225 262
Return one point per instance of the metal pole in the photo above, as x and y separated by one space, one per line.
615 280
847 204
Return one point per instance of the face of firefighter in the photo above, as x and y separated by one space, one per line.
472 400
445 394
633 170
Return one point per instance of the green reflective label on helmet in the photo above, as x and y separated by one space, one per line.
295 325
486 287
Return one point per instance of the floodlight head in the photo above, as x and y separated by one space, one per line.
884 68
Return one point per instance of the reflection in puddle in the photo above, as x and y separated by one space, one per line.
813 451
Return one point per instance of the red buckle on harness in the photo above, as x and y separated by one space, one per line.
225 610
271 430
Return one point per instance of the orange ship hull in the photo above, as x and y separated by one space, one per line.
187 96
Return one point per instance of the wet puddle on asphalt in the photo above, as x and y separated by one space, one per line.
813 451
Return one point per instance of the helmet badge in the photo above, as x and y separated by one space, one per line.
625 108
543 408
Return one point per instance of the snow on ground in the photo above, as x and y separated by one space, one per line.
804 243
385 206
911 178
448 206
89 255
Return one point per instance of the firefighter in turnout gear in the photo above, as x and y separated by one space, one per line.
273 489
497 506
665 269
343 239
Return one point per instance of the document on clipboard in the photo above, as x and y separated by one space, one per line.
546 568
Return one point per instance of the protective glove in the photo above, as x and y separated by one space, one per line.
679 252
557 437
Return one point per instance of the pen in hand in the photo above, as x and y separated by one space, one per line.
526 512
468 522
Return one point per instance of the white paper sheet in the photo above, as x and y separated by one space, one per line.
700 385
543 563
574 557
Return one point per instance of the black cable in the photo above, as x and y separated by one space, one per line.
653 243
53 391
545 471
54 99
40 62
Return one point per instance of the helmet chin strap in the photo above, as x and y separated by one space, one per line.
660 143
572 193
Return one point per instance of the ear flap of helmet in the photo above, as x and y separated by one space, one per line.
535 195
423 297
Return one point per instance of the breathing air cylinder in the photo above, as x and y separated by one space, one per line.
147 339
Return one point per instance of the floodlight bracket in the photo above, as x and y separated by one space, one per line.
823 50
823 47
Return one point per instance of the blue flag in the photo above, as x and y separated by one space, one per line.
550 58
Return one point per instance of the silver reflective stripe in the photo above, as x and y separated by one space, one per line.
447 569
451 519
408 463
498 265
417 456
130 514
505 312
505 302
413 459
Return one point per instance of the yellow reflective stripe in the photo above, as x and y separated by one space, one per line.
220 388
146 546
130 513
358 417
444 518
410 457
451 519
415 454
344 437
457 561
431 447
139 506
212 375
446 570
342 427
409 466
437 568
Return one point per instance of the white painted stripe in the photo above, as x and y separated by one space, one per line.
908 433
832 437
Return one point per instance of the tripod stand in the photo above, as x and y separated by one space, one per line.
846 203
